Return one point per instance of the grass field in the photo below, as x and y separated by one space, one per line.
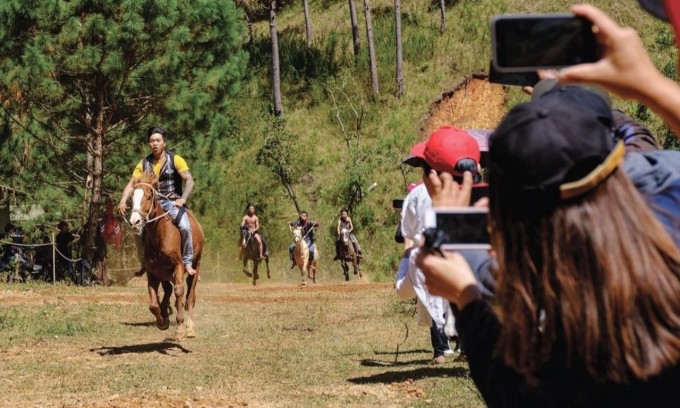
275 345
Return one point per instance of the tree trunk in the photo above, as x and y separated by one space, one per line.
308 22
355 27
442 7
397 27
276 69
291 194
371 48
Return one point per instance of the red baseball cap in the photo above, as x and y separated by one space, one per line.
447 146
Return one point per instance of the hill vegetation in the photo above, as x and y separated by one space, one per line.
326 93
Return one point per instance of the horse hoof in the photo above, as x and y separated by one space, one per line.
162 324
346 278
180 334
191 333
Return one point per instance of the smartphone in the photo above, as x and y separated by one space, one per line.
397 203
478 192
529 42
466 227
527 78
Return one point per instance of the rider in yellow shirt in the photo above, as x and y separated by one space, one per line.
171 170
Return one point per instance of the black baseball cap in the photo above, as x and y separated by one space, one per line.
556 147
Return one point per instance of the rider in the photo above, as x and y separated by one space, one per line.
307 232
252 223
171 169
345 222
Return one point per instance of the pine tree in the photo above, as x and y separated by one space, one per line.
79 79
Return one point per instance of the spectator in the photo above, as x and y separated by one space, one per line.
586 307
100 257
64 240
447 149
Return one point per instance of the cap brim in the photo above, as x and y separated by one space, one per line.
654 7
414 161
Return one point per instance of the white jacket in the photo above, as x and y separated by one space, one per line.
410 280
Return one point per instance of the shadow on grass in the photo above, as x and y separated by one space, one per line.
417 351
161 348
381 363
140 324
390 377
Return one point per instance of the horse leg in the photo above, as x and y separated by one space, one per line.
245 266
255 275
312 266
165 303
180 330
192 281
345 268
266 260
152 283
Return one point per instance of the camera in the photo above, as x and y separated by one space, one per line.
529 42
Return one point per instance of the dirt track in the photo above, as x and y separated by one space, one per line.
275 345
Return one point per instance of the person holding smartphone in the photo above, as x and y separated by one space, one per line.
447 149
586 309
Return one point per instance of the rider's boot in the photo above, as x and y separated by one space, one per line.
293 264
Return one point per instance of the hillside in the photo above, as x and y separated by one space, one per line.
325 90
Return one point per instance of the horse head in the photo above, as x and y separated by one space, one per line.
143 198
344 236
297 234
246 235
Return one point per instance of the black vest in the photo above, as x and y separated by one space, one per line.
169 180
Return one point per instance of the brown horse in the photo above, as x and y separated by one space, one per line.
163 256
346 253
251 252
301 254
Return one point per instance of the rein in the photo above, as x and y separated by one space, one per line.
153 207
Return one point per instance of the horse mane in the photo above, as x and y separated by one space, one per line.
148 178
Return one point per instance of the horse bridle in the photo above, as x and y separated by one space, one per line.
145 216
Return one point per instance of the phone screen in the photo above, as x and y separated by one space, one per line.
531 42
466 227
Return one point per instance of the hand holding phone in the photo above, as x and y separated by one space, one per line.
529 42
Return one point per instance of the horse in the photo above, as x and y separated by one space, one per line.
163 256
346 253
251 252
302 256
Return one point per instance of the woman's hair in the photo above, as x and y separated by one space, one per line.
598 273
342 210
156 129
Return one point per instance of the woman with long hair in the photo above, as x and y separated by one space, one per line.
587 298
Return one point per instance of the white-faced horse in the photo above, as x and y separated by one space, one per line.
301 255
163 256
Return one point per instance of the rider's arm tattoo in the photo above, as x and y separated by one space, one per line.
188 184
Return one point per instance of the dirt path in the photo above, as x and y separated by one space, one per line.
274 345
